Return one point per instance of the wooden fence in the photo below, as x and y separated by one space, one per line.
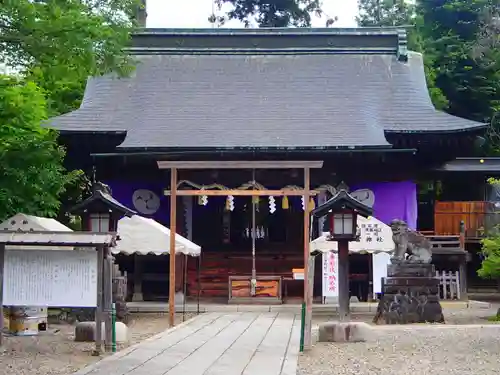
448 215
449 285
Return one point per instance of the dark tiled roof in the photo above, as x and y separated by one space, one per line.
107 199
302 99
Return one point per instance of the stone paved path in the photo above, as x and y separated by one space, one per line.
213 344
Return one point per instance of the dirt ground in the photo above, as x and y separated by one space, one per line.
55 352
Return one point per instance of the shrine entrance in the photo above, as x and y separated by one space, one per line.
247 288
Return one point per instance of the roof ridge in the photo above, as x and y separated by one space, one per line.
392 40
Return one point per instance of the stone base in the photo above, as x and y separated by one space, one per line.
85 332
410 295
344 332
137 297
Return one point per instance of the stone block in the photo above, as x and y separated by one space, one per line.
85 332
344 332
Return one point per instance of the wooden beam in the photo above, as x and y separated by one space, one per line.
173 230
234 164
243 193
308 298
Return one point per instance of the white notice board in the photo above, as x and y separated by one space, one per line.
330 274
56 278
379 269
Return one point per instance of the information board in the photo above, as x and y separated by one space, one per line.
55 278
330 274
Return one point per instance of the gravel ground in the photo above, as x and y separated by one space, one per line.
415 350
55 353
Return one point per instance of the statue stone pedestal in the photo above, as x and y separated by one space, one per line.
410 294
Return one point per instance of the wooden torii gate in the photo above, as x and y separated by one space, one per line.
174 166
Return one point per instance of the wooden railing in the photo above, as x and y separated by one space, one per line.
479 218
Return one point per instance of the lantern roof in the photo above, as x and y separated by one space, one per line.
342 201
101 200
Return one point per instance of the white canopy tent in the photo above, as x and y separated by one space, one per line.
140 235
375 237
29 223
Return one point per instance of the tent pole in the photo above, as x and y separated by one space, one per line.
199 284
184 287
173 230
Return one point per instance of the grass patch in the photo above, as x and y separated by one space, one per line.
494 318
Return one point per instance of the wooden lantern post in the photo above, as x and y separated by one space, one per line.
342 210
100 213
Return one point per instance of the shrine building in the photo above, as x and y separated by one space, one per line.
349 106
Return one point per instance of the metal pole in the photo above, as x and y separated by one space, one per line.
302 325
173 230
253 283
98 310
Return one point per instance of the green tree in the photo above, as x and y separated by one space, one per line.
466 67
490 267
385 12
270 13
54 46
60 43
403 13
33 177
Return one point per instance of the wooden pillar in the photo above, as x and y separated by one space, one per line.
98 310
343 262
2 263
308 298
138 272
179 272
173 229
462 272
108 299
371 294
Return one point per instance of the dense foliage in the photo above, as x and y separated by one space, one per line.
53 46
33 177
459 40
270 13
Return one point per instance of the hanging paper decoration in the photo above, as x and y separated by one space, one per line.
312 205
284 203
203 200
188 216
272 205
230 203
303 201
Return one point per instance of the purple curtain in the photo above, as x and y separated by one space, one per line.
392 200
